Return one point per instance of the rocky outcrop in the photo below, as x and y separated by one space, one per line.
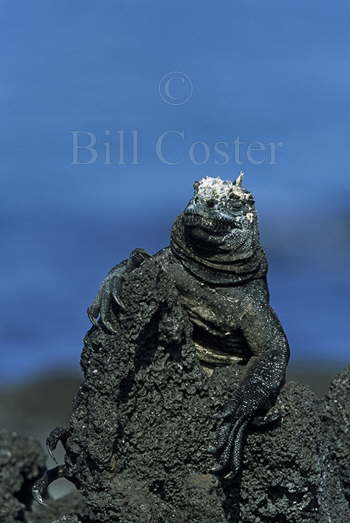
22 462
336 418
144 418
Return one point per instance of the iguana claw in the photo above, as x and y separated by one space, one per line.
43 483
111 289
56 435
228 450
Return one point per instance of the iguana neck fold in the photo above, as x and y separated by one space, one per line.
216 268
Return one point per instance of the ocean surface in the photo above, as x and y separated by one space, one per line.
111 111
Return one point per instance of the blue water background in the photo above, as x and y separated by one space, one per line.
261 71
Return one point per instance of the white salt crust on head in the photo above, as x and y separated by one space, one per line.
218 189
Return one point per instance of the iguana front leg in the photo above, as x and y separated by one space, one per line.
110 289
264 377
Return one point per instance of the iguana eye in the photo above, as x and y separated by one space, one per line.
234 203
233 198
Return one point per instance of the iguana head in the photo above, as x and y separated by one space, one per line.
221 217
216 237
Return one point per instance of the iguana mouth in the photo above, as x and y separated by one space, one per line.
219 224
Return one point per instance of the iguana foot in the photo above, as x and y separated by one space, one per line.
43 483
235 418
111 288
263 421
229 448
108 293
56 435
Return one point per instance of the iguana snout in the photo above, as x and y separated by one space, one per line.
221 216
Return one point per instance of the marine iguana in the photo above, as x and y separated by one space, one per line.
219 269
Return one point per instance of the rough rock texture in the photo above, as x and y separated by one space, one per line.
336 416
288 474
67 509
22 461
143 419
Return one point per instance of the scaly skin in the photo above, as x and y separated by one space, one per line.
219 269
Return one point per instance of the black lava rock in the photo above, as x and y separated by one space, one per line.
142 421
336 418
67 509
288 473
144 417
22 462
